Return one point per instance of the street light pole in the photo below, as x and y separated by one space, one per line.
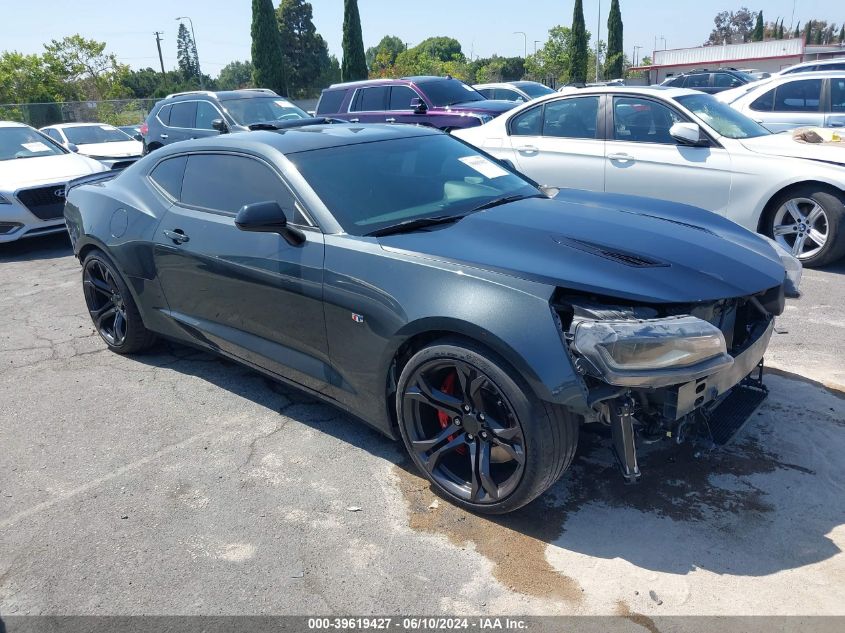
196 54
524 43
598 40
636 58
535 45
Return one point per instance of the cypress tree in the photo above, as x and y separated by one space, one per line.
757 34
780 30
578 46
267 66
842 35
615 55
808 33
354 64
797 33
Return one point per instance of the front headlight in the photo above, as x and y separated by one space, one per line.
792 265
652 352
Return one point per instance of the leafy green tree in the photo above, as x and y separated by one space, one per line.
354 64
330 72
842 35
488 69
388 48
186 52
143 83
235 75
578 45
443 48
86 69
304 51
757 34
268 65
615 55
552 62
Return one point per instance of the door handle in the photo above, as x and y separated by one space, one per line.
390 120
164 136
354 120
177 235
528 149
625 158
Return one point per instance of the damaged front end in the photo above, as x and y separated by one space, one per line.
668 370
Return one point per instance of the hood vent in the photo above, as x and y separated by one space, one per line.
623 257
672 220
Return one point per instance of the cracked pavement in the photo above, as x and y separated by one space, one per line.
177 483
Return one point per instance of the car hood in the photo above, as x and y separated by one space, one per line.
612 245
30 172
491 106
784 145
118 149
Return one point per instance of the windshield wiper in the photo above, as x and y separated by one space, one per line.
505 200
418 223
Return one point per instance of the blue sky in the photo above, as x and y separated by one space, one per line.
483 27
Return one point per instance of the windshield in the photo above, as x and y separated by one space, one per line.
263 110
88 134
721 117
533 89
369 186
23 142
446 92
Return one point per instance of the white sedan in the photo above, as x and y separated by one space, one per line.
684 146
105 143
33 173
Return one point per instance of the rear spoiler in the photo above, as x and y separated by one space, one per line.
90 178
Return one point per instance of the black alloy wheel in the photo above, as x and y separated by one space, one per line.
477 432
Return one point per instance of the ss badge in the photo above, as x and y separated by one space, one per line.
358 318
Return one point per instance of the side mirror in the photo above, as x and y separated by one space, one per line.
72 147
138 137
268 217
220 126
419 106
688 134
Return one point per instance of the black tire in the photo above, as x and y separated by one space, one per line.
832 221
111 306
545 436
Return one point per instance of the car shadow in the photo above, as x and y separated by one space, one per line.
835 267
33 248
739 510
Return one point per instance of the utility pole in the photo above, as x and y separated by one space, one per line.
598 41
636 58
158 35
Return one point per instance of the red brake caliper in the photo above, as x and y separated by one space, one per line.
448 387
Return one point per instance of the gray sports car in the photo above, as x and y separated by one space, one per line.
436 294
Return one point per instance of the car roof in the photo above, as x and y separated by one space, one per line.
665 91
302 139
387 82
13 124
816 62
222 95
62 126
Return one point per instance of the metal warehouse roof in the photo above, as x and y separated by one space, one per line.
728 53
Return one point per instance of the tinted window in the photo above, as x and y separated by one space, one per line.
699 80
528 123
571 118
642 121
400 98
487 93
837 95
798 96
764 103
533 89
726 80
371 99
675 82
250 110
54 134
837 66
206 113
330 101
182 114
446 92
224 182
164 114
507 95
168 175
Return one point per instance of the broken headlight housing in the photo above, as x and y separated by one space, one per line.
650 352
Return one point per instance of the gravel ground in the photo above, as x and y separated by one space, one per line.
177 483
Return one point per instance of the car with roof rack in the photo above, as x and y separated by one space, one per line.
445 103
183 116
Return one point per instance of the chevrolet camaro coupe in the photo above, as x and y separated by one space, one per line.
434 293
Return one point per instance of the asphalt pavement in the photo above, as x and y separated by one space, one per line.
177 483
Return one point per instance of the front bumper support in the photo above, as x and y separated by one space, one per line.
624 445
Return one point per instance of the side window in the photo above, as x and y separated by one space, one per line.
400 98
487 93
164 114
698 80
528 123
507 95
54 134
725 80
571 118
643 121
225 183
182 114
168 175
837 95
371 99
330 101
764 103
798 96
206 113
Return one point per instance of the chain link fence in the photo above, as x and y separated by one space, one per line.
115 112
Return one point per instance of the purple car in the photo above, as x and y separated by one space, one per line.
441 102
